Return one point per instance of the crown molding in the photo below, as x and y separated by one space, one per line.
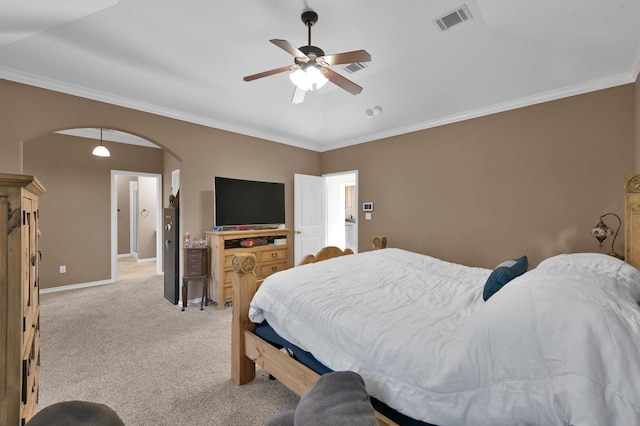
590 86
83 92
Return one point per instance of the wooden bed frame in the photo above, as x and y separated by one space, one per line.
247 349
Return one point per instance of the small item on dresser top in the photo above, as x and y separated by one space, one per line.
198 243
187 240
251 242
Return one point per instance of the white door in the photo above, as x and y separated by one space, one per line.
308 216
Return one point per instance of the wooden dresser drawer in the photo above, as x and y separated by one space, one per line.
193 256
272 254
228 293
228 276
195 270
195 262
271 268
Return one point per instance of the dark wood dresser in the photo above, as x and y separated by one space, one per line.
195 269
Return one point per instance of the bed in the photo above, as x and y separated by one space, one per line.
559 344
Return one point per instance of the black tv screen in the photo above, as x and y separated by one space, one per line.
246 202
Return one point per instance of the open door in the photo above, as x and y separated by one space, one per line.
308 216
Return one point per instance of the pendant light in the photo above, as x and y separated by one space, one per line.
101 150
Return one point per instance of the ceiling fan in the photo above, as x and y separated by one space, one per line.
311 65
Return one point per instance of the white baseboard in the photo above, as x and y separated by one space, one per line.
75 286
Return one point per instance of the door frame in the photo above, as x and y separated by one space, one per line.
335 186
114 219
133 218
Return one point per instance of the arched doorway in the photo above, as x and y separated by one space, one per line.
77 219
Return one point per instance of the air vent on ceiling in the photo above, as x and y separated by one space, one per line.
356 66
453 18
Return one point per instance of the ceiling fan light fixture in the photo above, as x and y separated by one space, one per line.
310 78
312 66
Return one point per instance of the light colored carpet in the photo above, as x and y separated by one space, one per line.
126 346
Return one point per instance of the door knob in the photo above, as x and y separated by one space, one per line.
298 232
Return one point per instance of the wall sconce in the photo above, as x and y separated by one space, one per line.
601 231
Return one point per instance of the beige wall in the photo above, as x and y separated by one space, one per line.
171 163
147 218
201 153
529 181
532 181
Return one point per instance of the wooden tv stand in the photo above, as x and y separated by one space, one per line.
270 257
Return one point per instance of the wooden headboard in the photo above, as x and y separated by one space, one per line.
632 219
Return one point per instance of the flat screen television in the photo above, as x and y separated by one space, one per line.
240 202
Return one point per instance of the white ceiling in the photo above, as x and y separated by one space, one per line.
186 59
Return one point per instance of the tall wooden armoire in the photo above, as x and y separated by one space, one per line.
19 298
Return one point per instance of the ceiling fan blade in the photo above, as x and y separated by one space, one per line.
298 96
270 72
346 57
341 81
289 48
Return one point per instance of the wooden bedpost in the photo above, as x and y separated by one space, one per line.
379 242
243 369
632 219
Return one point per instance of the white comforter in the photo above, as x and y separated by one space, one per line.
559 345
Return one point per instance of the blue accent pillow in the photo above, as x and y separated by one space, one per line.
504 272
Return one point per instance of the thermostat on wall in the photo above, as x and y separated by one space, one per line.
367 207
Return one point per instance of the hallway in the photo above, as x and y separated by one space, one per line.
129 268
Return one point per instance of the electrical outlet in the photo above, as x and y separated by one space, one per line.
63 269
